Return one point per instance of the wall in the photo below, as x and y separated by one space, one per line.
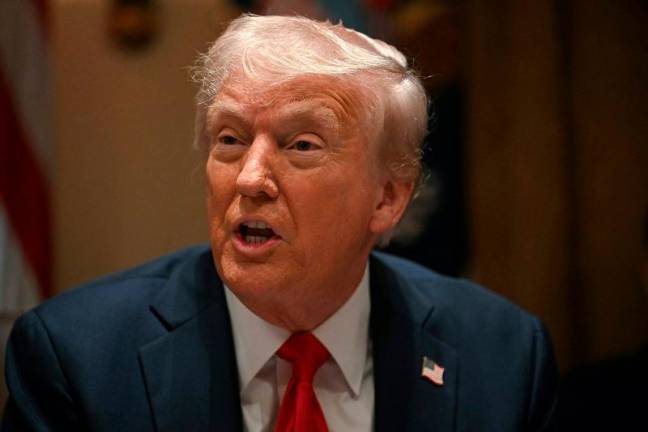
558 160
128 185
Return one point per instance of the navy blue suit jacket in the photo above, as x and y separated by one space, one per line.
152 349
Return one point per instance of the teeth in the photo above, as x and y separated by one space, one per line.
255 239
256 224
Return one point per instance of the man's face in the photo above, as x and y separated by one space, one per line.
293 194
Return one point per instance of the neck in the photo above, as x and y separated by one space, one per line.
305 313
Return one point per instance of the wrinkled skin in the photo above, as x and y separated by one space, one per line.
298 158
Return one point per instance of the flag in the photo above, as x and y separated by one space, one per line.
24 156
24 159
432 371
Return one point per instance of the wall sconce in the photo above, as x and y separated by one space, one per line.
132 24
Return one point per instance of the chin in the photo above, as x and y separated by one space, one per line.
247 279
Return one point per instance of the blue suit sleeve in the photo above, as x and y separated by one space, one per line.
542 403
39 393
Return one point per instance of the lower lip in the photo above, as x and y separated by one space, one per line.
254 249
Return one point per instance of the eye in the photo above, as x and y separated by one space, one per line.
302 145
306 144
228 140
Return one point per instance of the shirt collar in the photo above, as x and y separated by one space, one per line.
255 340
345 334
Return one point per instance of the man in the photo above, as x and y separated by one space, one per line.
311 134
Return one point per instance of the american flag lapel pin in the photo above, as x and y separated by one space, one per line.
432 371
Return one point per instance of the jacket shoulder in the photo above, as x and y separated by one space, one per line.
139 284
441 292
76 351
505 353
119 302
464 314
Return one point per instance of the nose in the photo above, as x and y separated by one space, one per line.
256 177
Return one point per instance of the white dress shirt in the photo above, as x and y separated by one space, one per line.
344 384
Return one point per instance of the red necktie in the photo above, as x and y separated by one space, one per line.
300 411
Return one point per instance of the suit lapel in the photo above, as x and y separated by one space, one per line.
190 372
402 335
192 380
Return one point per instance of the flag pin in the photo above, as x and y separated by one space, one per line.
432 371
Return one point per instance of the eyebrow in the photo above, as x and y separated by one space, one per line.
304 111
225 109
310 112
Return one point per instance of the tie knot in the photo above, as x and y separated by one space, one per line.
306 354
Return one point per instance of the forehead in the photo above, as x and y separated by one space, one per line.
325 98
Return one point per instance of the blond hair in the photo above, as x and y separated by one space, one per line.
277 49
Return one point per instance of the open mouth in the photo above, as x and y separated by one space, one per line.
256 232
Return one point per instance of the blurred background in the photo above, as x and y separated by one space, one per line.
537 156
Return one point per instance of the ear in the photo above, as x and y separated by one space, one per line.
392 202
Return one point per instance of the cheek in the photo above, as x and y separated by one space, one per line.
332 208
220 191
221 177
